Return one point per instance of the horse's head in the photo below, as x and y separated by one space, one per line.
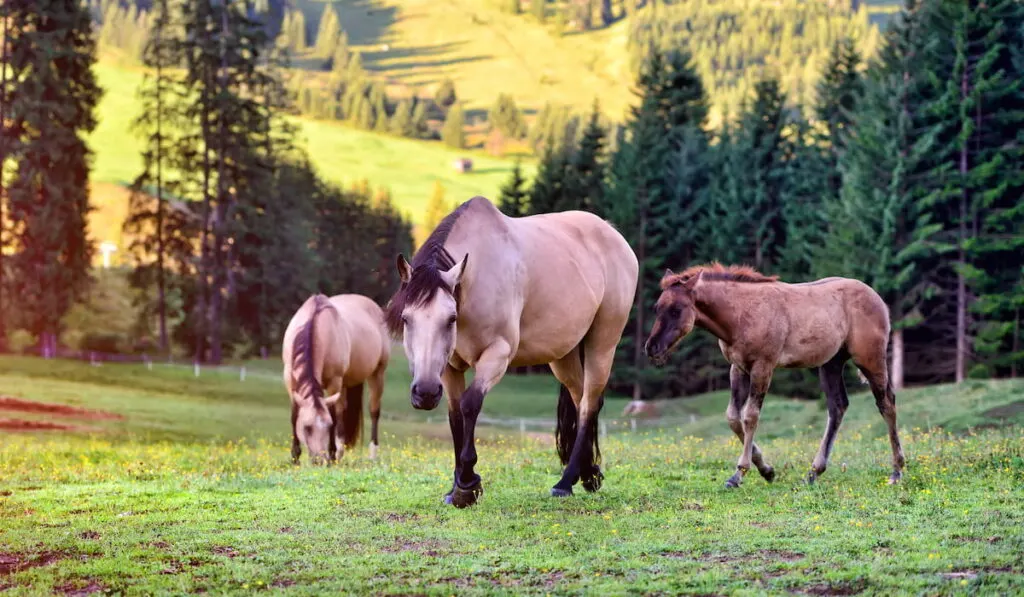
313 425
675 313
425 310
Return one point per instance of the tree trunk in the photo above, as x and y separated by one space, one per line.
204 232
638 350
3 159
961 283
896 365
606 13
161 292
220 222
1015 350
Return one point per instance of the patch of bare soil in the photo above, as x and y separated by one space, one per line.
23 425
223 550
90 535
63 410
429 548
11 563
830 589
282 583
1005 411
76 589
177 566
765 555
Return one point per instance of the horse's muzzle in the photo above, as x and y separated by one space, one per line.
656 352
425 396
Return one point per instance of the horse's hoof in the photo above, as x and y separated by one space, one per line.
593 483
811 478
447 498
895 478
768 473
373 451
561 493
734 481
463 498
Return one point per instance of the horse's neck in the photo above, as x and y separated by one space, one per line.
715 313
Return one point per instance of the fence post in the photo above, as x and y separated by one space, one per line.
241 374
604 429
632 425
522 426
195 368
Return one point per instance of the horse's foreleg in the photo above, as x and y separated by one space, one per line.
739 383
760 379
454 383
376 383
490 368
832 385
296 445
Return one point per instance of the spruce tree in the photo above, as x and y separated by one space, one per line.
445 94
327 32
50 110
506 117
586 169
401 123
512 200
453 133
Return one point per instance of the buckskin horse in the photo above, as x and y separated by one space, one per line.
762 324
334 345
488 292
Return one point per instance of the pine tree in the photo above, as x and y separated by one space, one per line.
506 118
512 200
445 94
837 91
539 9
453 133
48 195
649 168
548 190
327 32
586 169
402 123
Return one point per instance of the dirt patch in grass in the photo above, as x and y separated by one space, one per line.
23 425
224 550
77 589
401 517
830 589
28 406
159 544
89 535
282 583
1006 411
429 548
766 555
11 563
177 566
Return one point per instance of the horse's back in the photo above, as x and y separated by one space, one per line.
361 321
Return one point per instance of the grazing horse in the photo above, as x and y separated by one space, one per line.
488 292
762 324
334 345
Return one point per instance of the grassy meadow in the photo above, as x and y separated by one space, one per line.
190 490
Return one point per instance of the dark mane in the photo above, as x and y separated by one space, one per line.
428 263
302 353
717 271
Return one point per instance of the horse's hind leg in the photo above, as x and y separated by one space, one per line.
569 372
831 376
376 383
885 400
739 383
296 446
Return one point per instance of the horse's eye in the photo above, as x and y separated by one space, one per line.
451 320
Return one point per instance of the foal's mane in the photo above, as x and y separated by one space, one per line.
717 271
427 265
302 353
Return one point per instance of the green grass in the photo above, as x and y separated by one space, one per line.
193 492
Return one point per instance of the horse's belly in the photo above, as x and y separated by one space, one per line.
809 354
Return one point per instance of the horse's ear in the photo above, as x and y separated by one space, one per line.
404 269
690 282
668 272
453 276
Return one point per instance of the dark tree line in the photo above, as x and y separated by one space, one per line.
47 99
228 215
906 173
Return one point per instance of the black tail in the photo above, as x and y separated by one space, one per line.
352 415
568 417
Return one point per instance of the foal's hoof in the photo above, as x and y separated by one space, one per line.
593 483
734 481
561 493
811 477
768 473
463 498
895 478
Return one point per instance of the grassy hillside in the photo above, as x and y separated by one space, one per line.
171 507
343 155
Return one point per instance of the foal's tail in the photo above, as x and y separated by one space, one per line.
567 425
352 415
